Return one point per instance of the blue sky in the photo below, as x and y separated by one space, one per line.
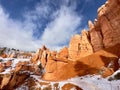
29 24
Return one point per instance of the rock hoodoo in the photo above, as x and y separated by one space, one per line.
80 46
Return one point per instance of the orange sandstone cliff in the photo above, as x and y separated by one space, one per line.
90 51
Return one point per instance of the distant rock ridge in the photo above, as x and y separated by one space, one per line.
14 53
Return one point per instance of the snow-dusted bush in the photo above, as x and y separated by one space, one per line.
115 76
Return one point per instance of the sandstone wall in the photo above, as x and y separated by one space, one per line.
106 30
103 33
80 46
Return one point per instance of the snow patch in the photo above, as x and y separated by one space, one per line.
38 63
14 62
6 71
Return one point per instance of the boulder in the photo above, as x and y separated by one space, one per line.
70 86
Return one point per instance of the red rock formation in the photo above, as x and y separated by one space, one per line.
70 86
41 55
43 58
5 81
35 57
110 23
63 53
95 51
85 45
8 63
103 62
80 46
95 36
3 55
105 31
51 65
2 67
13 55
103 34
74 46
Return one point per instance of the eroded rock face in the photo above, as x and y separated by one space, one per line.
3 55
11 77
51 65
95 36
80 46
70 86
63 53
85 46
2 67
41 55
102 34
74 46
105 31
5 80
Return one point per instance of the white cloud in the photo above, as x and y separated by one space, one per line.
17 34
61 28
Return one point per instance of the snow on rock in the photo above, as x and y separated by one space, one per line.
88 82
6 71
115 76
14 62
95 82
27 72
38 63
118 71
22 87
36 77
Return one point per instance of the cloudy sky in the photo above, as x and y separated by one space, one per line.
29 24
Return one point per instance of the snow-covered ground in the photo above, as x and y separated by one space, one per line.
95 82
88 82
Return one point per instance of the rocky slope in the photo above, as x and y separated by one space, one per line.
95 51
